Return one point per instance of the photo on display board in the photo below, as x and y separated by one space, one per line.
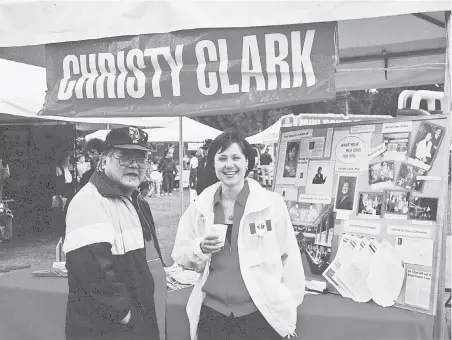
302 213
345 193
381 172
320 178
370 203
397 142
423 208
407 177
396 202
313 225
427 143
291 159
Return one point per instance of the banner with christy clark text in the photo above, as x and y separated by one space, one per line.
195 72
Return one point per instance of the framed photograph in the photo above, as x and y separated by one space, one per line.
304 213
407 177
320 178
397 142
426 144
381 172
345 193
291 159
370 204
423 208
396 145
314 237
396 202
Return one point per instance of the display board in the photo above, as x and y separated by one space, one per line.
380 180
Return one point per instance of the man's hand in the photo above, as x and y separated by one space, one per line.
211 244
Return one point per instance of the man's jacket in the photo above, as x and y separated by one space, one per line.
205 176
169 165
108 272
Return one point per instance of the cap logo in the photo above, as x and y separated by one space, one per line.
134 134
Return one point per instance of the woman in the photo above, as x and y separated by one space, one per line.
257 277
82 166
290 166
65 190
65 184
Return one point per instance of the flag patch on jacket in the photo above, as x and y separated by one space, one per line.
261 227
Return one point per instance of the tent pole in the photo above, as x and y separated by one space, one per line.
440 318
181 166
448 70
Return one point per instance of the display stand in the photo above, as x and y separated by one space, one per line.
382 180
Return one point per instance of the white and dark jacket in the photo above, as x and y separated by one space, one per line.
269 256
108 271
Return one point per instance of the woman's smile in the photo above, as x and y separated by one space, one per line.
230 173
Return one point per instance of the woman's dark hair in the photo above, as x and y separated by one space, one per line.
95 144
224 141
292 145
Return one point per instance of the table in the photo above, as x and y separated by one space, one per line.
34 309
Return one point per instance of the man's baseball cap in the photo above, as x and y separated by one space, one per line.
129 137
207 143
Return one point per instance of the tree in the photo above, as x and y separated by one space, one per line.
362 102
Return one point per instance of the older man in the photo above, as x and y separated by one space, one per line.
111 288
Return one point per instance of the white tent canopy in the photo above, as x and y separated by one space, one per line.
192 131
22 93
268 136
41 22
414 44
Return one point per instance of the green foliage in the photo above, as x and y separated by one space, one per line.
363 102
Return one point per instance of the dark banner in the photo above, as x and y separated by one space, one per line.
196 72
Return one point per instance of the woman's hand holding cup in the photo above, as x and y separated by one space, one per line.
211 244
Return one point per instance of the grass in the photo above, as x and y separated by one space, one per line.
31 250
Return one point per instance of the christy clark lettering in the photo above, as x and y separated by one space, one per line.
278 61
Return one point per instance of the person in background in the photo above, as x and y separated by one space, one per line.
186 161
250 287
144 189
265 161
4 174
65 182
193 166
156 180
81 166
205 175
169 170
145 186
111 283
65 188
94 148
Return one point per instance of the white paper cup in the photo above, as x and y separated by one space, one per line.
220 230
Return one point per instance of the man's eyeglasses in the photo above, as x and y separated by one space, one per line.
127 160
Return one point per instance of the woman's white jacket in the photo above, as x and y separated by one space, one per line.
270 260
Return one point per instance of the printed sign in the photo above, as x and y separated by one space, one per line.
362 227
409 231
214 71
397 127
